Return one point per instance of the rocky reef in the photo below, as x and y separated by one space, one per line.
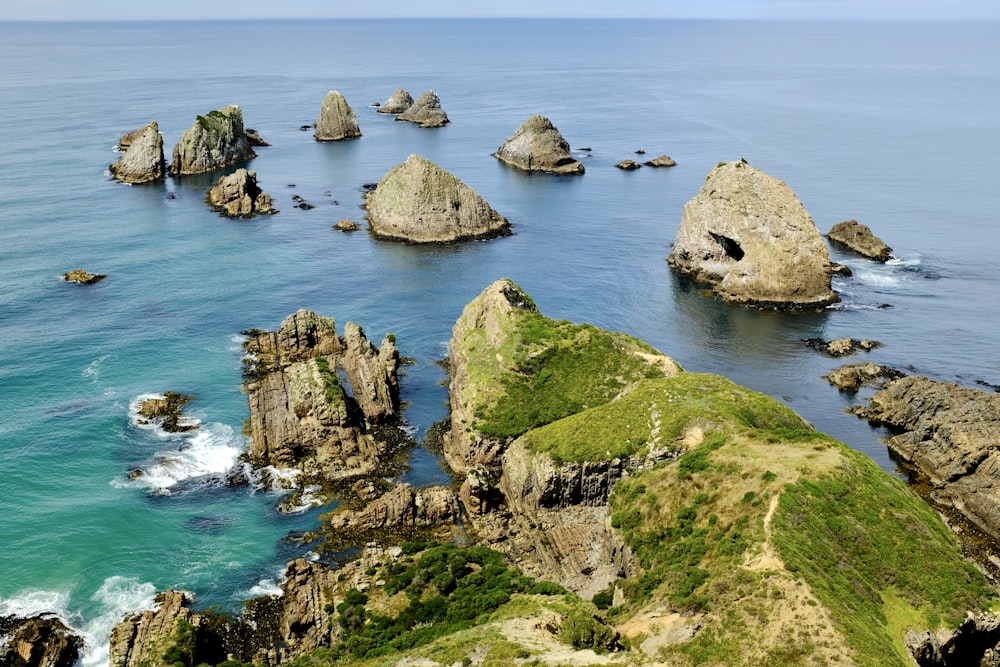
859 238
661 161
426 111
168 412
83 277
747 235
397 103
538 146
40 640
336 119
238 196
419 202
301 416
143 160
214 141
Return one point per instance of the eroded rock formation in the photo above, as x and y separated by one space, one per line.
397 103
426 111
143 160
950 435
214 141
842 347
301 416
238 196
168 412
401 513
661 161
748 235
83 277
538 146
853 377
41 640
860 239
336 119
419 202
141 639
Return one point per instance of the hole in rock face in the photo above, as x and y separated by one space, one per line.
562 162
729 246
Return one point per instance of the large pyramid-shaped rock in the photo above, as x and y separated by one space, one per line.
336 119
426 111
418 201
398 103
748 235
538 146
143 160
214 141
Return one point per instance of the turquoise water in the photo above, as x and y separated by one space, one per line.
891 124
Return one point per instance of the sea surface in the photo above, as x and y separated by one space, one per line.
892 124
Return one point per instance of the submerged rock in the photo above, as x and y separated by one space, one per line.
238 196
748 235
426 111
842 347
347 226
143 161
215 141
336 119
661 161
419 202
537 146
397 103
83 277
860 239
41 640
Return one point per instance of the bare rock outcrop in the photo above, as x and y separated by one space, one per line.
661 161
141 639
143 160
41 640
302 417
168 412
214 141
238 196
538 146
853 377
419 202
401 513
336 119
426 111
748 235
860 239
950 436
397 103
841 347
83 277
628 165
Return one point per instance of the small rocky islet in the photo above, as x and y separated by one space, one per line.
623 511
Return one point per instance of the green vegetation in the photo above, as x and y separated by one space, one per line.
872 552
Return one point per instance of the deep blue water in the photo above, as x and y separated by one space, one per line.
894 125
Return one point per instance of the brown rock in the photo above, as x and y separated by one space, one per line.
860 239
83 277
538 146
238 196
336 119
661 161
168 412
347 226
139 640
143 160
853 377
397 103
628 165
426 111
42 640
214 141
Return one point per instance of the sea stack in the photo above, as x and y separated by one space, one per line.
143 160
748 235
336 119
860 239
399 102
238 196
538 146
419 202
426 111
215 140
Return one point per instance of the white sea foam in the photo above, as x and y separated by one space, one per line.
30 603
262 588
117 597
154 425
93 369
207 454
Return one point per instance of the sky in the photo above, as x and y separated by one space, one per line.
81 10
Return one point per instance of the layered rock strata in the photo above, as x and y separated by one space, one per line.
238 196
426 111
399 514
419 202
538 146
214 141
42 640
748 235
143 160
859 238
141 639
336 119
301 415
950 435
397 103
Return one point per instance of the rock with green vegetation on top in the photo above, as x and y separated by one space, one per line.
214 141
538 146
426 111
143 160
419 202
747 235
336 119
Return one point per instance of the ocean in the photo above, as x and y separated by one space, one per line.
892 124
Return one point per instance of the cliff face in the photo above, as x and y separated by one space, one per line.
141 640
537 146
143 160
301 417
38 641
419 202
215 140
748 235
